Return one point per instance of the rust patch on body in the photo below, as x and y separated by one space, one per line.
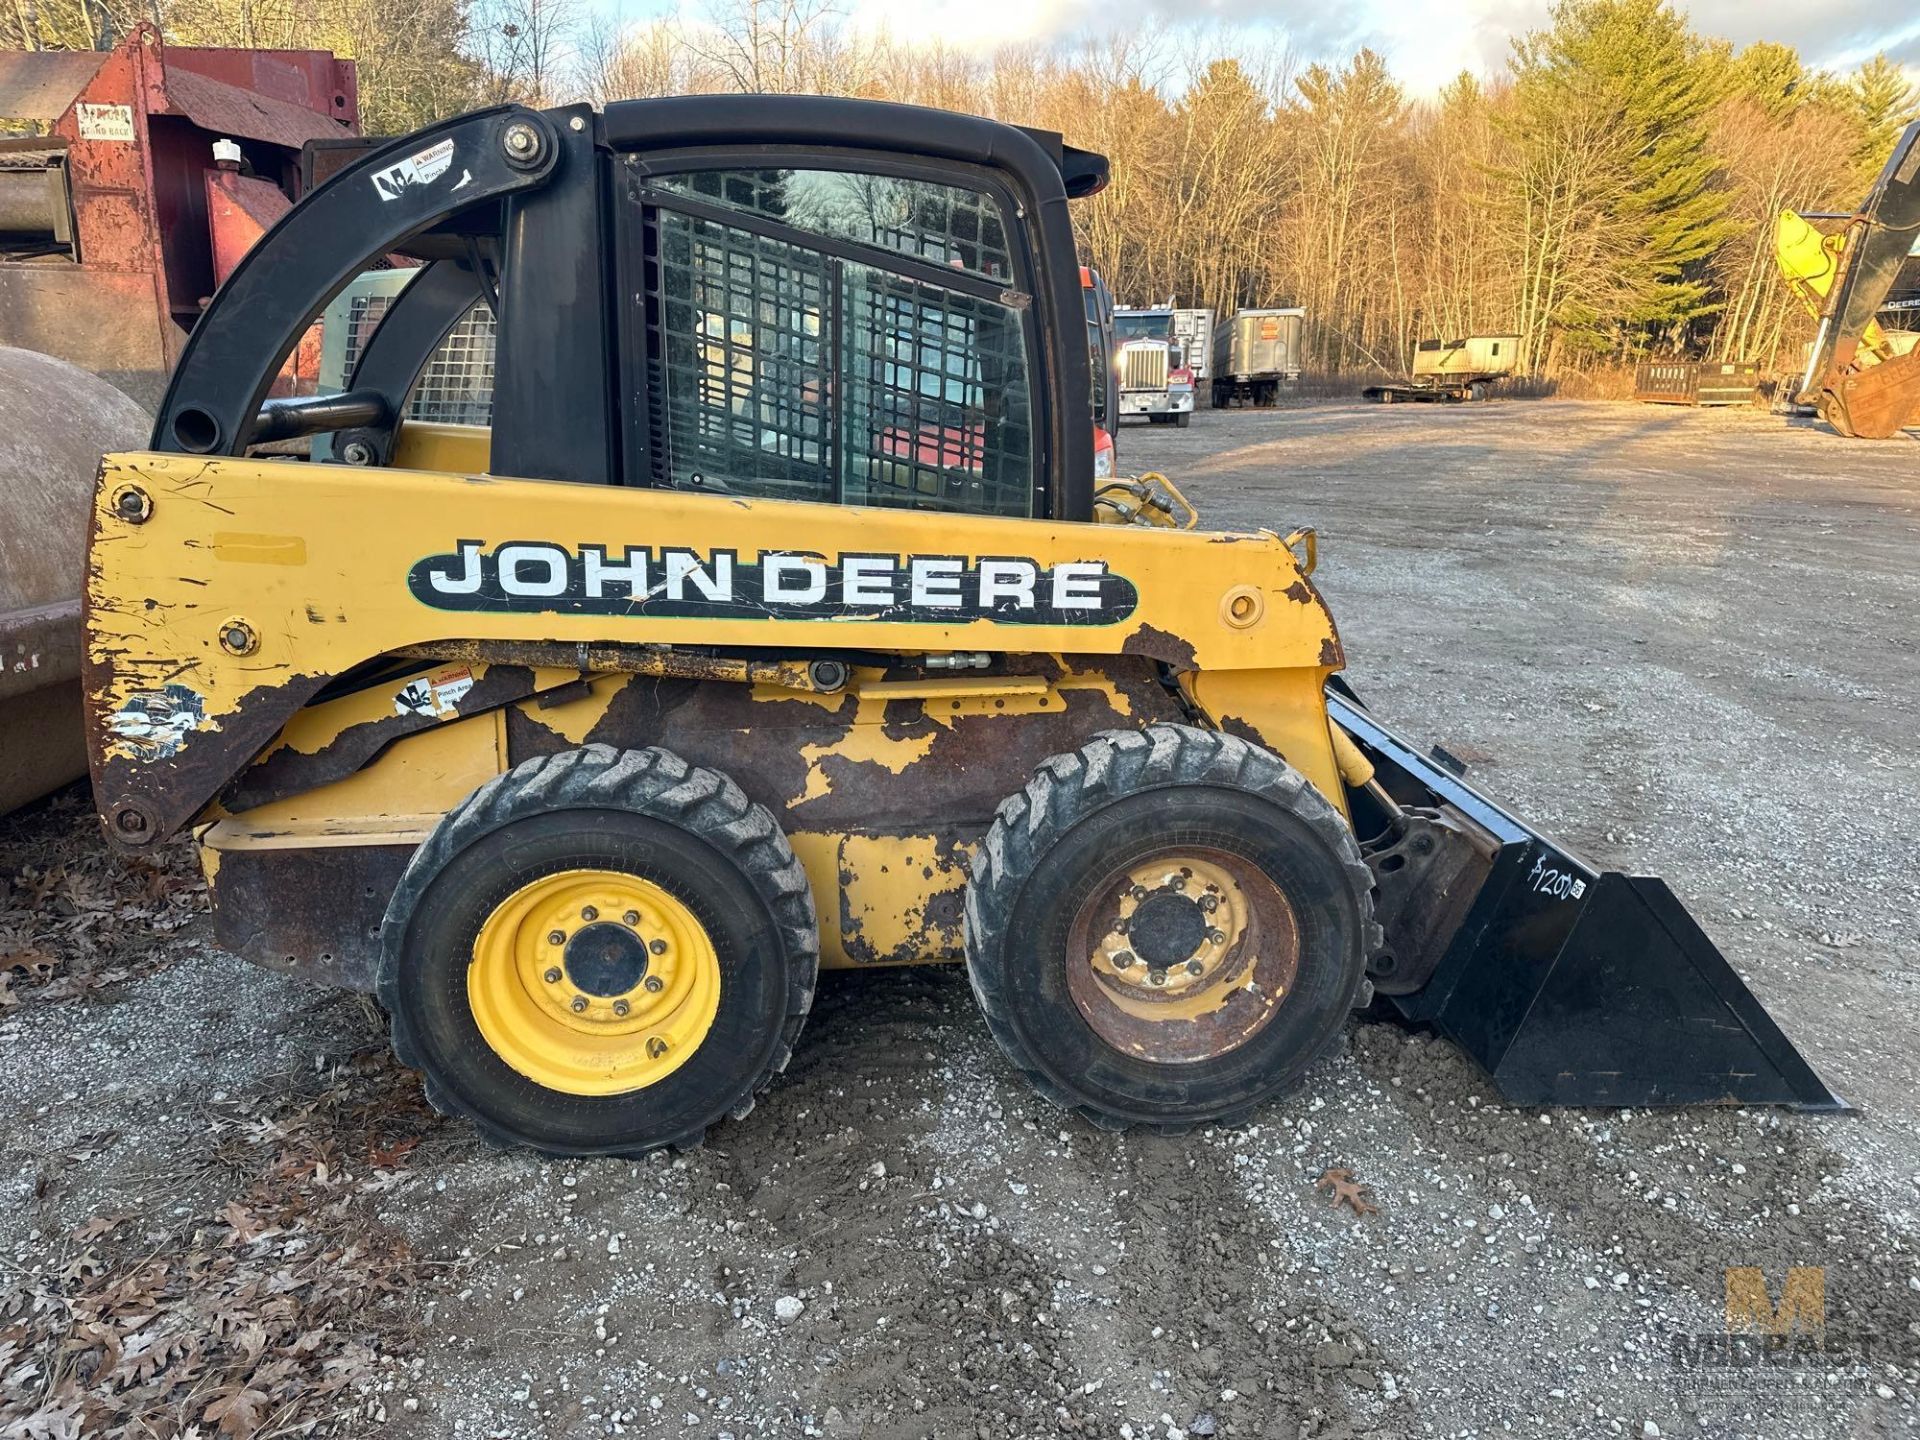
286 772
144 801
911 912
1235 726
1158 644
313 911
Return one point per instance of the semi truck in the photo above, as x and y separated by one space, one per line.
1152 365
1254 354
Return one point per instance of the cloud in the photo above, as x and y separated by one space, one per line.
1427 44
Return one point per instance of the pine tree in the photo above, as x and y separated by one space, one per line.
1882 102
1635 68
1770 75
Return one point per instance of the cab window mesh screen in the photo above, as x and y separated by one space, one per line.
936 408
455 387
743 394
944 224
781 371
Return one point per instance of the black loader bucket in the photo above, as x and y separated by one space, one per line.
1569 985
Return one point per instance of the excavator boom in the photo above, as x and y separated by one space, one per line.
1864 380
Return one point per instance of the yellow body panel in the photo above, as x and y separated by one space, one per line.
248 585
457 449
162 589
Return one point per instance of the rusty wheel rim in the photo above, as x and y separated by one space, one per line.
1183 955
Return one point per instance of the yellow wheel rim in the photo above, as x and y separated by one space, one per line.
593 982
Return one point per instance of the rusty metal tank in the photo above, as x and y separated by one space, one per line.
56 420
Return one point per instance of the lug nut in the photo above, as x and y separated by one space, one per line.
1157 977
630 919
579 1004
587 912
556 937
1123 960
620 1007
1218 937
1194 967
1209 903
658 947
1179 882
553 975
1139 892
656 1047
655 984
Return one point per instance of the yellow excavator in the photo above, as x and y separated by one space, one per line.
1862 378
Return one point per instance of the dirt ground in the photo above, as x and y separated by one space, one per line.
1684 642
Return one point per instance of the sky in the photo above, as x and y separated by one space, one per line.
1427 44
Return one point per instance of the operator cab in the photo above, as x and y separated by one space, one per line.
782 297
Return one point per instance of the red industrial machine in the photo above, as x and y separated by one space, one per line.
117 224
118 221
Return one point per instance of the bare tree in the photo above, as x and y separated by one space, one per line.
527 46
1505 205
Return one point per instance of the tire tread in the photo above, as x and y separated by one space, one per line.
652 782
1066 789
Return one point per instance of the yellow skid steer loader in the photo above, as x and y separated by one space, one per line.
768 626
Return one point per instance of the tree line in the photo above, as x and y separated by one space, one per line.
1609 194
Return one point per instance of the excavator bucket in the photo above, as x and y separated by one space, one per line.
1569 985
1875 402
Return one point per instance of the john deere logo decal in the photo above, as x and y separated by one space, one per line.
535 577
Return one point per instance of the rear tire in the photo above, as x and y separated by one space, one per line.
1183 419
681 985
1238 885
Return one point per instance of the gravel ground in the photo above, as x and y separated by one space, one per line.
1682 641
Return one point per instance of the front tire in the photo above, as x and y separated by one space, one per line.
1166 927
600 952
